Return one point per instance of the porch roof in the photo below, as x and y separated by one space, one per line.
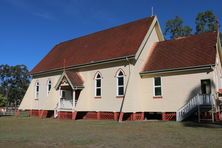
73 78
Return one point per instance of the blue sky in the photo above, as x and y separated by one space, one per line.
30 28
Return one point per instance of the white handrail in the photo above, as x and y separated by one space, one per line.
185 110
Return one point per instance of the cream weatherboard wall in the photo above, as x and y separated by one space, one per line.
217 69
45 101
176 91
50 101
108 101
28 99
87 100
133 97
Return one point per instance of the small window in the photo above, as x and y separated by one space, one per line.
37 90
49 86
98 85
157 87
120 84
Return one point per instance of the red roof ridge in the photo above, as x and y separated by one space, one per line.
186 37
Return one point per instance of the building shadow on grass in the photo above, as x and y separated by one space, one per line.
201 125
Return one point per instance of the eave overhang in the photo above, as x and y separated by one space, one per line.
92 63
177 71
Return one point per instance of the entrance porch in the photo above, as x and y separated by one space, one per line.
69 86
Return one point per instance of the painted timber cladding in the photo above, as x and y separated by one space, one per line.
217 73
176 90
44 101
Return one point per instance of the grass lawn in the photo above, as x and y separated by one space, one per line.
35 132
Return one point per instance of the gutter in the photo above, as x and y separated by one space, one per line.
92 63
173 70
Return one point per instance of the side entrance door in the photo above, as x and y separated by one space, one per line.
206 90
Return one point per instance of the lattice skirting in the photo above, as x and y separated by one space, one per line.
97 115
169 116
35 113
93 115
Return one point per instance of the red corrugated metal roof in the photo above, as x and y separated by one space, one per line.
120 41
189 51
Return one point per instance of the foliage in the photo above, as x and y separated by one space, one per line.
205 22
3 100
175 28
14 81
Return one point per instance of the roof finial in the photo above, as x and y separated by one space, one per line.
152 11
64 64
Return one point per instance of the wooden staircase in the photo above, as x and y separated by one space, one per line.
200 104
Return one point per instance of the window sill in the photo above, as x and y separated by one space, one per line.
157 97
97 97
119 97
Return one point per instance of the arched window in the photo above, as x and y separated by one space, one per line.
120 83
98 85
37 90
49 86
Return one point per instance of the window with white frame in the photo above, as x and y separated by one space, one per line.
49 86
157 87
98 84
37 90
120 83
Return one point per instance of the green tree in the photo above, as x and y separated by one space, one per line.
205 22
174 28
14 81
3 100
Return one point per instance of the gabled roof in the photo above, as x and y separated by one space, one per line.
117 42
73 78
192 51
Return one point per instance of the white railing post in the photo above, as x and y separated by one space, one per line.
60 96
73 99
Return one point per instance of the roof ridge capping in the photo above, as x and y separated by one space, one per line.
106 45
189 36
